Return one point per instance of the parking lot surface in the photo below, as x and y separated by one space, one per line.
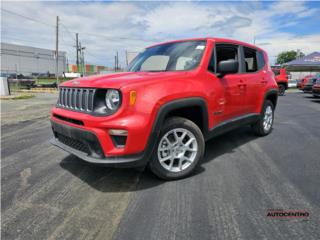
48 194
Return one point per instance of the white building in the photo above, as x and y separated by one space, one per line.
30 60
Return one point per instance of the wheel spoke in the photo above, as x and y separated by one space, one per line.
167 140
176 137
184 134
189 142
165 158
180 163
171 163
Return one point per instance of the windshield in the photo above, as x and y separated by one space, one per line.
276 72
178 56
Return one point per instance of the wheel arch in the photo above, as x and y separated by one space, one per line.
193 108
272 95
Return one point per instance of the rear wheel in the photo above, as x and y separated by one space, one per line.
179 149
282 89
264 125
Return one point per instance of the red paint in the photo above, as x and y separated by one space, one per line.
281 75
157 88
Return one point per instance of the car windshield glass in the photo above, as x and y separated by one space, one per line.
276 72
177 56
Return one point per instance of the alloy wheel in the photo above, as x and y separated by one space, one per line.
177 149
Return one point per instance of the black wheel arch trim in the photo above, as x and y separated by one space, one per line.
271 92
179 104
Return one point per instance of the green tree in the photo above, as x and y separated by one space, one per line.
288 56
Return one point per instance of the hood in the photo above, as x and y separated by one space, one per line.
117 80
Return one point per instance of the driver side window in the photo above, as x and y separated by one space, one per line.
223 52
226 52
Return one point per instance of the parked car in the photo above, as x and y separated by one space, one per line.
308 84
304 81
173 97
281 77
299 83
316 88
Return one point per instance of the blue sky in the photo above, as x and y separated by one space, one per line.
107 27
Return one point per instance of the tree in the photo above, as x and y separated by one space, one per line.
288 56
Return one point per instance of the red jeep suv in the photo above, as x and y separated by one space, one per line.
281 79
173 97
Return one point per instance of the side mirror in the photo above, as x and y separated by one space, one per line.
228 66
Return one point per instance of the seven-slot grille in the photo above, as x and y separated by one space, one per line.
78 99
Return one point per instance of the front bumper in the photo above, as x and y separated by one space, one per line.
85 145
307 88
316 91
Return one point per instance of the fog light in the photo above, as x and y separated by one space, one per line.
118 132
119 137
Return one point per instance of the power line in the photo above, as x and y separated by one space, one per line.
68 31
29 18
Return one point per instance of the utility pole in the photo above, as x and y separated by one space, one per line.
57 49
117 61
77 50
81 49
127 63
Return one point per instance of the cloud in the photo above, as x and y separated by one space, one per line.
107 27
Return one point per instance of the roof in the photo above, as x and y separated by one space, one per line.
312 59
310 62
223 40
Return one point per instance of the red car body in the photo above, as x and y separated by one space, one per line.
303 81
217 101
282 79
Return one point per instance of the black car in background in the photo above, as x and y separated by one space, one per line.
316 88
307 87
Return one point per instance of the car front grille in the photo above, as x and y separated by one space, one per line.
77 99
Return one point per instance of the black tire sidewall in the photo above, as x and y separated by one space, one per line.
282 90
172 123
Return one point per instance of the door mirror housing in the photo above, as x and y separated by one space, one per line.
227 67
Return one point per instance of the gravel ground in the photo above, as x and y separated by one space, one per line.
48 194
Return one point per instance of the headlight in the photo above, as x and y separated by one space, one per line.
113 100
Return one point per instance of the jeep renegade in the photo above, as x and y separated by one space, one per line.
173 97
281 78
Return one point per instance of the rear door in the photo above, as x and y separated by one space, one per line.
253 76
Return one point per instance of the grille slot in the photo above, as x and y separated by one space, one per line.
78 99
73 143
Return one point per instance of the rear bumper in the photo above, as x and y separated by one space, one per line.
86 146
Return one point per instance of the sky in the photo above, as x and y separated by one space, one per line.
105 27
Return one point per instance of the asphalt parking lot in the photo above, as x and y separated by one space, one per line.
48 194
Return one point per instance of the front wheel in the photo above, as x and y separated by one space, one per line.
179 149
282 90
264 125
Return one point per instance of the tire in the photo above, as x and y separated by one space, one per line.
259 127
174 144
282 90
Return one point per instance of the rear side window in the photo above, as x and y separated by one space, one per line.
262 62
250 57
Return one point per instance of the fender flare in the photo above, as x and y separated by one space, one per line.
269 93
166 108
